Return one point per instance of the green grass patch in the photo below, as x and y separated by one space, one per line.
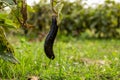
76 59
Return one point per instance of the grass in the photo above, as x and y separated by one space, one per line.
76 59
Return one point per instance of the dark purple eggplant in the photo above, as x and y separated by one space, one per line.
49 41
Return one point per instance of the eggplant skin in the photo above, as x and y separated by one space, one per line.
49 41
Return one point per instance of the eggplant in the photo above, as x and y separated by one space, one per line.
49 41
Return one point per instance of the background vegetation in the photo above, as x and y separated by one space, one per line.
103 21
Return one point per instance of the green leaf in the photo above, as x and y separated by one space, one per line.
3 15
6 22
10 23
10 2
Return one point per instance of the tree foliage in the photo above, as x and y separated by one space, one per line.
102 21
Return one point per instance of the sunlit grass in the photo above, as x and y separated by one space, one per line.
76 59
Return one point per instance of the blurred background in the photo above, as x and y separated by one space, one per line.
80 18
